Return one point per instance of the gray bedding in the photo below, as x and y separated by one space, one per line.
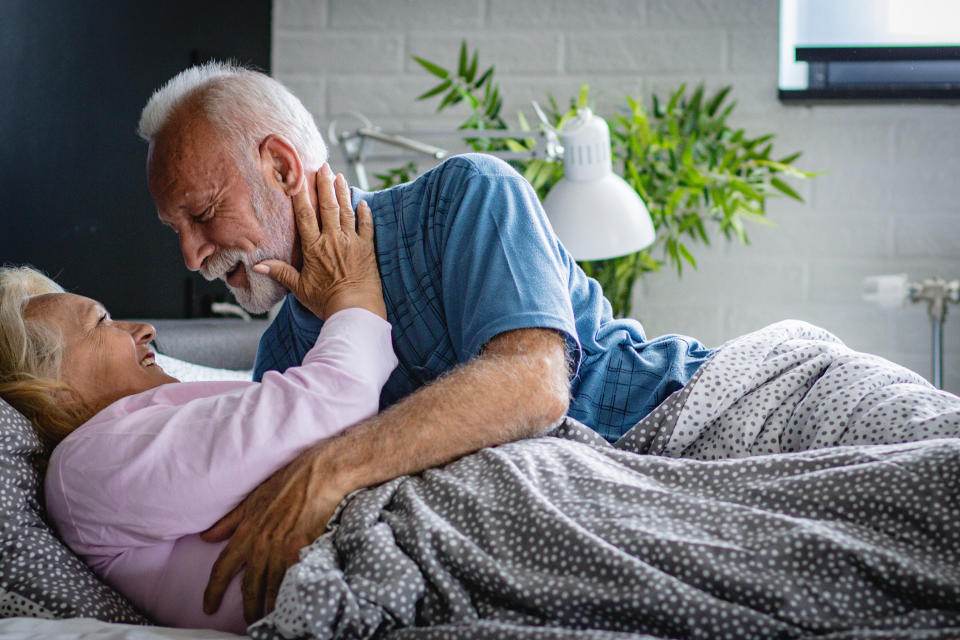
567 536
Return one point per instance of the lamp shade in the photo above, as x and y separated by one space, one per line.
593 211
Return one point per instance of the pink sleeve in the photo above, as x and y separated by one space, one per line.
143 471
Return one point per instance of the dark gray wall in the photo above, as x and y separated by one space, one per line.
74 75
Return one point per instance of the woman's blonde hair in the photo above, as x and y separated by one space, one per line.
30 357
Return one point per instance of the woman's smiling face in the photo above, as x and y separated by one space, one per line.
103 359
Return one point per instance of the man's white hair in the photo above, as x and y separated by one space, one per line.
245 106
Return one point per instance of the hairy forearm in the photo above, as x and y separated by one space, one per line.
516 388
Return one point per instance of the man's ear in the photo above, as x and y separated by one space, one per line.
280 164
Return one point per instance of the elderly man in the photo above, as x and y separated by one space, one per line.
491 317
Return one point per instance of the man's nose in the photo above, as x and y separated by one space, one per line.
195 249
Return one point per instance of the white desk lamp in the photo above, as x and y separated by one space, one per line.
594 212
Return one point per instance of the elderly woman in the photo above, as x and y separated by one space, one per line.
144 463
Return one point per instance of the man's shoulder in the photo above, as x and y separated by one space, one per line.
481 163
453 173
467 165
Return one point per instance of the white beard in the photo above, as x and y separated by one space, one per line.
264 292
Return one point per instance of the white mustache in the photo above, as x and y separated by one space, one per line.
219 264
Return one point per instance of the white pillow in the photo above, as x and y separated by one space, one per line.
189 372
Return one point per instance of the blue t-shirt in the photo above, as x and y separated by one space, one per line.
465 252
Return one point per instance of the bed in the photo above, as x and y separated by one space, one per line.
837 540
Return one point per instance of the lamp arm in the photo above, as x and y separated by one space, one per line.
404 143
356 148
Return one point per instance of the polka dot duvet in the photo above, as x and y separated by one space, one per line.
795 489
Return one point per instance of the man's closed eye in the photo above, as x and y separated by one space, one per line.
205 216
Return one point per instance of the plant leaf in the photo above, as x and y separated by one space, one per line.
715 101
530 172
522 119
726 112
493 106
451 98
758 218
440 88
686 254
472 69
791 158
675 97
648 261
436 70
583 96
483 78
785 189
466 95
745 189
513 145
696 99
789 170
462 63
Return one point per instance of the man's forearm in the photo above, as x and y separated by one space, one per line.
516 388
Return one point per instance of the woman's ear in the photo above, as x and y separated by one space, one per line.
280 164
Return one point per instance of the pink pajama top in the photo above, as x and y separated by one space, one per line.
130 490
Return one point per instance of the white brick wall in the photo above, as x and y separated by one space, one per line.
890 202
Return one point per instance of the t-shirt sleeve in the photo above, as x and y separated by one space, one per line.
176 465
502 266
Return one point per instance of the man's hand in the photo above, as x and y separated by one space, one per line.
284 514
516 388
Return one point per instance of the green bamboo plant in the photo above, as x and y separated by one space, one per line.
696 174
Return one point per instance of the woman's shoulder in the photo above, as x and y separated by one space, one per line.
149 410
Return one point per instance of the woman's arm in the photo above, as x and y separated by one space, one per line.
170 462
158 468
